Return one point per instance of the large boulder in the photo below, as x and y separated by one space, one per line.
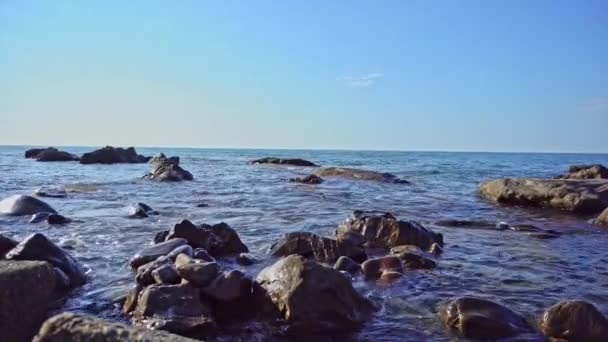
312 297
384 268
19 205
603 218
153 252
574 320
595 171
167 170
358 174
478 318
283 161
578 196
26 290
218 239
71 327
38 247
113 155
6 244
385 231
52 154
321 249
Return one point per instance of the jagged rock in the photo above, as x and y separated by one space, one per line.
26 290
358 174
160 236
38 247
199 274
141 210
595 171
413 257
312 297
385 231
383 268
113 155
167 170
578 196
347 264
283 161
6 244
219 239
152 253
603 218
19 205
161 158
574 320
316 247
310 179
478 318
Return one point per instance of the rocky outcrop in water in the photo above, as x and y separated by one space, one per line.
413 257
218 239
71 327
595 171
113 155
603 218
50 154
578 196
319 248
387 268
167 170
141 210
6 244
358 174
574 320
19 205
283 161
310 179
51 192
478 318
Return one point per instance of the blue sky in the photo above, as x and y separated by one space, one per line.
404 75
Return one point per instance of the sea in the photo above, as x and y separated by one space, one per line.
526 274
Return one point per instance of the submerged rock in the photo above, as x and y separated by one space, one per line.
603 218
49 192
38 247
283 161
310 179
482 319
153 252
595 171
385 231
113 155
312 297
57 219
71 327
358 174
316 247
218 239
6 244
578 196
19 205
167 170
141 210
574 320
413 257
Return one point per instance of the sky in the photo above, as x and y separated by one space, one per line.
374 75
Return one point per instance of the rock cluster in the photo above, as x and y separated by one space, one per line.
167 170
49 154
595 171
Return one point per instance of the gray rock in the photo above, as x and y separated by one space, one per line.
574 320
348 265
112 155
152 253
199 274
167 170
19 205
6 244
310 179
358 174
316 247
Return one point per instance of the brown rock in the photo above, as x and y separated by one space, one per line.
313 246
603 218
413 257
347 264
574 320
595 171
382 267
199 274
112 155
358 174
166 274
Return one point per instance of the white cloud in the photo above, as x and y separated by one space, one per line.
361 81
598 105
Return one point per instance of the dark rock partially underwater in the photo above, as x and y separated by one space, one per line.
283 161
167 170
113 155
50 154
19 205
358 174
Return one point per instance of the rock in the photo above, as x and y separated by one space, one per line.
199 274
310 179
166 274
386 267
26 290
473 224
141 210
352 237
52 154
202 205
358 174
174 308
52 193
152 253
543 236
574 320
71 327
160 236
144 272
201 254
219 239
228 287
33 152
19 205
283 161
578 196
413 257
314 298
131 299
6 244
167 170
595 171
478 318
38 247
112 155
39 217
603 218
321 249
435 249
57 219
245 259
183 259
347 264
385 231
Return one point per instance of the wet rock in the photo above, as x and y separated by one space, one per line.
321 249
352 237
386 267
603 218
228 287
246 259
52 154
166 274
413 257
201 254
6 244
113 155
141 210
167 170
310 179
26 290
472 224
52 193
482 319
33 152
174 308
38 247
578 196
435 249
312 297
283 161
347 264
57 219
71 327
543 236
160 236
152 253
199 274
183 259
19 205
219 239
131 299
144 272
385 231
358 174
595 171
39 217
574 320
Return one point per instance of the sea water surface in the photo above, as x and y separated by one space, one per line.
524 273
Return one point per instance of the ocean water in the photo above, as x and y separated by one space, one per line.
524 273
